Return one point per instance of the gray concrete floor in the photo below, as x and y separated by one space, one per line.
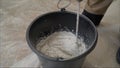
16 15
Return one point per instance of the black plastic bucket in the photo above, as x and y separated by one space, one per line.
43 25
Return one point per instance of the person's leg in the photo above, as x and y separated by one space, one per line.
118 56
95 10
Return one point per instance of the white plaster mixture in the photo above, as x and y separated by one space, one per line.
61 44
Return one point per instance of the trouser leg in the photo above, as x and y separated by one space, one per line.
95 9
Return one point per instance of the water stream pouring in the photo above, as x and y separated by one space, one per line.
77 21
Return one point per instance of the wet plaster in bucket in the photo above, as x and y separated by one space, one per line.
61 44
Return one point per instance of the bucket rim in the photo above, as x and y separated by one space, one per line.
92 46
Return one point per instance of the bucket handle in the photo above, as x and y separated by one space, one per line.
63 8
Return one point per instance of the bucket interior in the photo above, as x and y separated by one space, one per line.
51 22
